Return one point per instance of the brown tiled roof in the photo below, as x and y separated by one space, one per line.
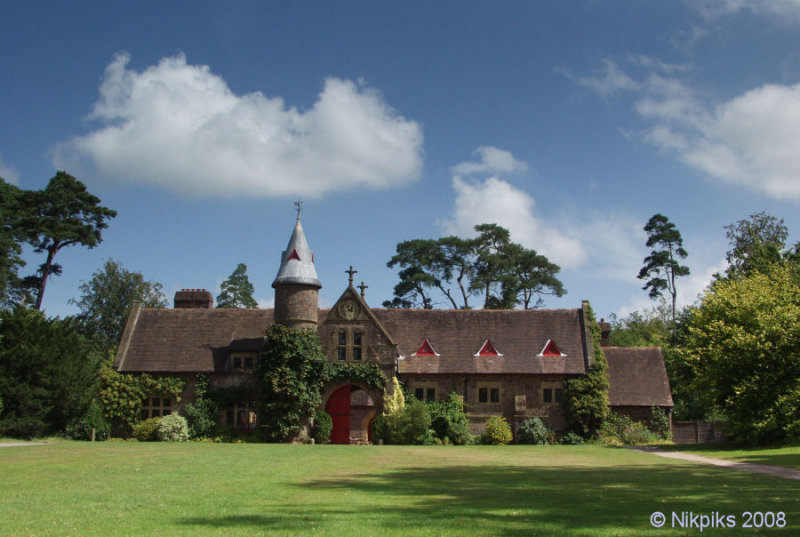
637 377
457 335
188 340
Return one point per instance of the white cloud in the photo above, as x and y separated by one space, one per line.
9 173
610 80
180 127
752 140
492 160
496 201
780 10
614 246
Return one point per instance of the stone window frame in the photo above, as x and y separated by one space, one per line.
492 388
156 406
238 361
554 391
243 411
426 387
354 346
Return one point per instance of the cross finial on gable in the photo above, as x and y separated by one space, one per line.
298 206
363 287
351 272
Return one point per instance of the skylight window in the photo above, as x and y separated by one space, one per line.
551 349
488 349
426 349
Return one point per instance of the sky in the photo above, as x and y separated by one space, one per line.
570 123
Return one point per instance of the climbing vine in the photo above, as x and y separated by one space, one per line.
121 395
368 374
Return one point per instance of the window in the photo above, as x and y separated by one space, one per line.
153 407
553 393
425 392
550 349
341 349
241 362
242 415
489 394
426 349
488 349
357 337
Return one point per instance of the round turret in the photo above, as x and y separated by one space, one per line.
297 285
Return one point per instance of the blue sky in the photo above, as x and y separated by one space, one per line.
570 123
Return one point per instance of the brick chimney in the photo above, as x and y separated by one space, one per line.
605 332
194 299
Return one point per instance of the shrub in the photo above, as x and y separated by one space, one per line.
379 427
81 428
534 431
173 428
571 439
659 423
323 426
498 431
147 430
622 430
409 425
449 421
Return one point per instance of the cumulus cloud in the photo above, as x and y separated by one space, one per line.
752 140
496 201
180 127
9 173
787 11
610 79
492 160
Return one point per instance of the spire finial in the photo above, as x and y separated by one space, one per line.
298 206
351 272
363 288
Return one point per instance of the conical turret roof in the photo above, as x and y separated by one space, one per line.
297 261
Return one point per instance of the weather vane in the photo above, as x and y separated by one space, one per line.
298 205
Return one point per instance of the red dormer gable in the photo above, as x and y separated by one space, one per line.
551 349
488 349
426 349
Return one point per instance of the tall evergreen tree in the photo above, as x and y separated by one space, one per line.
662 266
63 214
237 291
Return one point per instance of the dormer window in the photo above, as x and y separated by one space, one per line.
488 349
551 350
426 349
241 362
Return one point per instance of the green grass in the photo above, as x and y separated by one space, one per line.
788 456
141 489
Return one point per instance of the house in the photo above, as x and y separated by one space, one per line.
502 362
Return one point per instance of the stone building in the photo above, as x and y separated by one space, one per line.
502 362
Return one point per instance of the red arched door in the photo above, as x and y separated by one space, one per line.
338 406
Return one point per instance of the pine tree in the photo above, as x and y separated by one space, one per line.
237 291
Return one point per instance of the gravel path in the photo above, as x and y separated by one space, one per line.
18 444
777 471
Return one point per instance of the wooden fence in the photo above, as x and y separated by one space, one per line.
698 432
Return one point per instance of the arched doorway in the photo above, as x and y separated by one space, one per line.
351 409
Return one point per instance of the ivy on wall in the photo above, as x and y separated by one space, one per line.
121 395
369 375
586 396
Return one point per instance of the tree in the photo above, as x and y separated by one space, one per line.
48 372
744 344
505 273
11 237
107 299
289 378
756 243
237 291
662 266
63 214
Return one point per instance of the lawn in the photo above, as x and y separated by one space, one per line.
140 489
788 456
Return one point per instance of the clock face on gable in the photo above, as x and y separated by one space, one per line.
349 309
